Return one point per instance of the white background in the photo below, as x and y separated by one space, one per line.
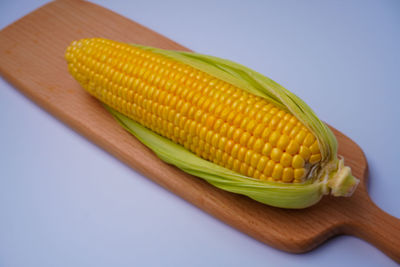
65 202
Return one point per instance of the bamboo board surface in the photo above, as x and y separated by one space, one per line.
32 59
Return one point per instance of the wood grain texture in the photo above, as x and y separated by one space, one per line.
32 59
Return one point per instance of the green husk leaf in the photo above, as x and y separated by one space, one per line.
283 195
327 176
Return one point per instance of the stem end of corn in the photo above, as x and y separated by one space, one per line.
343 183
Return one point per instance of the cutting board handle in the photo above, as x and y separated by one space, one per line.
378 228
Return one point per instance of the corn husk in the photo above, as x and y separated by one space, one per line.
330 176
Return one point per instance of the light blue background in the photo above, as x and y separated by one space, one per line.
65 202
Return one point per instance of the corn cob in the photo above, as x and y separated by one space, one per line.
218 121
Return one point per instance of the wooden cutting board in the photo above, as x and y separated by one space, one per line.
32 59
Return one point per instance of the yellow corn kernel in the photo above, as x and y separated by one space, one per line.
251 125
228 146
266 133
235 150
297 162
224 129
299 173
222 142
218 155
258 145
274 137
217 125
210 121
259 130
276 154
273 123
237 135
300 136
230 132
263 177
256 174
236 165
283 142
248 156
241 153
251 141
309 140
243 168
281 125
237 121
293 147
225 158
287 117
281 114
287 175
250 171
209 136
261 163
273 110
305 152
254 159
294 131
266 149
288 128
277 172
244 138
269 168
286 159
315 158
229 163
314 148
244 123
